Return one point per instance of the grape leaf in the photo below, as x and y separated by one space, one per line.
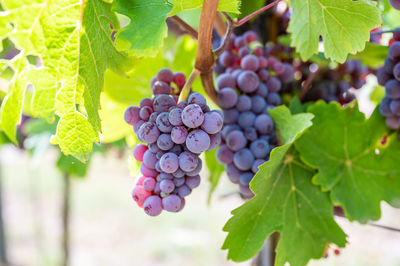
73 39
71 166
145 33
285 200
215 170
353 164
223 5
344 25
249 6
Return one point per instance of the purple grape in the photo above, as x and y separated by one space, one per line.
243 51
197 170
145 113
179 134
188 161
213 123
235 74
263 74
395 107
230 116
228 129
396 71
164 142
274 99
163 123
264 124
179 182
179 173
224 155
169 162
246 119
161 87
274 84
236 140
166 176
172 203
243 159
240 42
131 115
198 141
215 141
256 164
288 73
192 116
245 178
179 79
158 168
192 181
259 148
250 62
227 59
153 117
150 159
167 186
244 103
227 98
137 127
233 173
258 104
250 133
393 122
394 50
149 184
177 149
262 90
184 191
152 206
139 151
248 81
197 98
147 171
226 81
182 104
175 117
389 65
148 132
384 107
159 154
392 89
165 75
245 191
163 102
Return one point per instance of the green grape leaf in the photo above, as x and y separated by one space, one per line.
285 200
356 159
373 55
215 170
70 165
231 6
145 33
344 25
249 6
75 48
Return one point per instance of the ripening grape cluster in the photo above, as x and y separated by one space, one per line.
175 134
248 85
389 76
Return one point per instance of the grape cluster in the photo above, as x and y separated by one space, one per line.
175 134
389 76
248 85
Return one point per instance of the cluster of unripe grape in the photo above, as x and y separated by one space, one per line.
248 86
175 133
389 76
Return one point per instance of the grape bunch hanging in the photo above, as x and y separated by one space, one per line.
248 85
175 133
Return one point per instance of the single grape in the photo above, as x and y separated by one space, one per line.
224 155
153 117
165 75
192 181
192 116
227 59
395 107
256 164
258 104
243 159
179 79
243 52
150 159
245 191
138 152
178 173
179 182
246 119
384 107
197 170
169 162
274 99
177 149
163 102
146 102
245 178
149 184
213 122
274 84
389 65
240 42
184 191
166 176
161 87
228 129
188 161
259 148
394 51
393 122
141 180
163 123
244 103
167 185
172 203
139 194
215 141
175 117
250 62
288 74
152 206
233 173
250 133
131 115
262 90
164 142
227 98
226 81
264 124
145 113
248 81
146 171
197 98
230 116
392 89
396 71
250 36
148 132
197 141
236 140
179 134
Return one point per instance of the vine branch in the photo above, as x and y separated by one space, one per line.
227 36
252 15
181 23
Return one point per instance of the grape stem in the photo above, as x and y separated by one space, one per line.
188 85
252 15
385 31
307 84
191 31
228 33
